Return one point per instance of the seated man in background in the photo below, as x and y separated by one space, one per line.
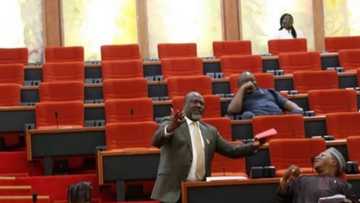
250 100
326 184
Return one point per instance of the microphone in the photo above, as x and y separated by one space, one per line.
57 119
131 112
34 197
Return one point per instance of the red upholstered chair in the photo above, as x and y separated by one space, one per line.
277 46
12 73
333 100
10 94
232 47
122 69
61 91
68 71
287 126
300 61
350 59
14 164
238 64
188 66
180 86
24 199
14 55
175 50
224 166
129 135
125 88
68 114
285 152
64 54
212 105
342 125
353 144
120 52
222 124
128 110
263 80
315 80
335 44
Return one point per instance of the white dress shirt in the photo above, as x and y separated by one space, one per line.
286 34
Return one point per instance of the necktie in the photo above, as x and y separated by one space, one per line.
200 163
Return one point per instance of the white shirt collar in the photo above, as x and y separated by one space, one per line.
189 121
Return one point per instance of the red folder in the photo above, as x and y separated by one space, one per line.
265 134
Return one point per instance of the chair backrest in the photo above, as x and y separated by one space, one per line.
238 64
14 164
287 126
333 100
188 66
353 144
212 105
174 50
125 88
61 91
222 124
342 125
231 47
350 59
277 46
225 166
120 52
59 114
14 55
128 135
24 199
64 54
300 61
315 80
122 69
12 73
284 152
68 71
263 80
10 94
180 86
128 110
335 44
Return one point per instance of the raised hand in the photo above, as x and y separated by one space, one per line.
177 118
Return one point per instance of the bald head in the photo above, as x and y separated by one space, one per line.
246 77
194 105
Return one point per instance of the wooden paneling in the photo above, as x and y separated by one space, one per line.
319 31
142 27
231 20
52 23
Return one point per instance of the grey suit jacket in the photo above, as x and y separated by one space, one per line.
176 157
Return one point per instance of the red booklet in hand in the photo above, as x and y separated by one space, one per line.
265 134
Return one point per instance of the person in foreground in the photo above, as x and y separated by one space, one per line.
250 100
326 184
187 146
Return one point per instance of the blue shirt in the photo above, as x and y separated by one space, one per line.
264 102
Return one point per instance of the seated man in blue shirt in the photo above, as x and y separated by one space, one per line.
250 100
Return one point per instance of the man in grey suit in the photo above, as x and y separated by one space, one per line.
187 146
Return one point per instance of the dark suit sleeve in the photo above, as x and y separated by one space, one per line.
159 137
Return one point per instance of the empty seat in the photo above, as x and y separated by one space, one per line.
61 91
287 126
10 94
315 80
300 152
333 100
222 124
128 110
212 105
68 71
353 144
181 66
225 166
238 64
14 164
342 125
125 88
64 54
180 86
263 80
14 55
232 47
122 69
277 46
120 52
59 114
175 50
350 59
12 73
129 135
300 61
335 44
